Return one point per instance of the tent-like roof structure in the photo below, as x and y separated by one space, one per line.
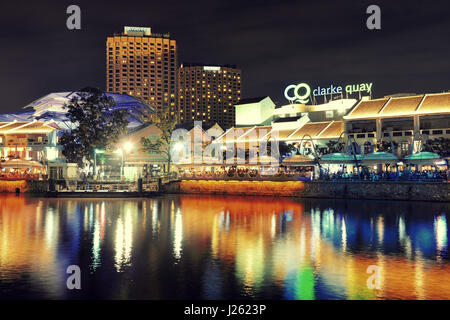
21 164
50 107
28 127
426 104
423 157
379 158
339 158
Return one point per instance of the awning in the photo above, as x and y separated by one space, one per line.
339 158
379 158
264 161
21 164
299 160
424 157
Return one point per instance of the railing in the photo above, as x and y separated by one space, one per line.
413 178
400 133
107 187
89 185
34 143
246 177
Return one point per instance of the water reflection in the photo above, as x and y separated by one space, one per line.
223 247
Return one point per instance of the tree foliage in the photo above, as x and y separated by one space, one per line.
332 146
96 125
385 146
163 144
441 146
286 150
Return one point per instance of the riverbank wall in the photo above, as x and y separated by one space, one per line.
23 186
420 191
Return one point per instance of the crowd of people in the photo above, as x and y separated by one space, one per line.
307 173
407 175
248 173
20 175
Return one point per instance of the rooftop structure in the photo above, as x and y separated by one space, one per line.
426 104
50 107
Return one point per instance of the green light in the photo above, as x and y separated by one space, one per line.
99 151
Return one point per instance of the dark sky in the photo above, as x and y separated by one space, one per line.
275 43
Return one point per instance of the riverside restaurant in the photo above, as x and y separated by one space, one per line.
393 138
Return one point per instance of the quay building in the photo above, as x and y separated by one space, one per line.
343 130
357 128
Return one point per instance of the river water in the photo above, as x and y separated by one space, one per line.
219 247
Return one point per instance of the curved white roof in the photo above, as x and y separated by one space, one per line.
50 107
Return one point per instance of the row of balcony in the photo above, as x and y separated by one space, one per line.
24 143
403 133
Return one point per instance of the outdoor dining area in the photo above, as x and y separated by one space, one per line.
260 168
385 166
19 169
375 166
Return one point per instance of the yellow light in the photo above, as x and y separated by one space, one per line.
128 146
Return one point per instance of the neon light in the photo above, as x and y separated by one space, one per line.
319 91
297 97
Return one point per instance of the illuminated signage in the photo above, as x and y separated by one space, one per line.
298 97
208 68
144 30
301 93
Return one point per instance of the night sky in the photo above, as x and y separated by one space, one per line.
275 43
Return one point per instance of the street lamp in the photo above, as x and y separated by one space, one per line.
128 146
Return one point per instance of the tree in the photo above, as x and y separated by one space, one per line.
286 150
96 125
333 146
441 146
385 146
163 144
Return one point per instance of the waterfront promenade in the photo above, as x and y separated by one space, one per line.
420 187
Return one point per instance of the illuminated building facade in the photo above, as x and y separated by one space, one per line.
258 120
143 65
208 93
407 121
29 140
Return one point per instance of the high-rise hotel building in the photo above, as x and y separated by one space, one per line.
143 65
208 93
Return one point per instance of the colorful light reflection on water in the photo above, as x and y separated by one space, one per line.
216 247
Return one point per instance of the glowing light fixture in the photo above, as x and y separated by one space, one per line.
128 146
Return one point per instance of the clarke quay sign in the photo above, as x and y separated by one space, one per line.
302 91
